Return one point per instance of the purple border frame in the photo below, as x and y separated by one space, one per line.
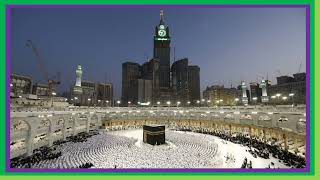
190 170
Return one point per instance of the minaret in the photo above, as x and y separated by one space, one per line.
263 86
77 88
78 75
244 93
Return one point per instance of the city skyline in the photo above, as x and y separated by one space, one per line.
247 34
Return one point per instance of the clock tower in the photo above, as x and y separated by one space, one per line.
161 51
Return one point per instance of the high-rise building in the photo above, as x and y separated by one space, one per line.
180 81
219 95
284 79
87 98
40 89
143 90
194 84
161 51
298 77
294 88
154 65
130 73
93 94
104 93
20 84
166 85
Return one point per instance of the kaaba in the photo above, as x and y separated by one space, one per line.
154 134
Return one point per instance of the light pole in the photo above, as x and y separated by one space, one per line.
129 102
284 98
202 101
292 95
168 103
255 101
217 101
53 94
236 100
198 102
278 97
75 101
178 103
107 102
188 103
118 102
273 97
208 102
89 101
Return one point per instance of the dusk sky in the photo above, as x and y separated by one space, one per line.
228 44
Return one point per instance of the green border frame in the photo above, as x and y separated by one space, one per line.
314 99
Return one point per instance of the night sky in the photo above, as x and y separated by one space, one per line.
229 44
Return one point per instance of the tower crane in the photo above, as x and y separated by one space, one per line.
300 67
51 81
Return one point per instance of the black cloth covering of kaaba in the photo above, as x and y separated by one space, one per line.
154 134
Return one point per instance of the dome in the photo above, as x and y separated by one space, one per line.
245 117
264 118
283 118
229 116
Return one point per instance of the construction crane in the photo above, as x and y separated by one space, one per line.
300 67
51 81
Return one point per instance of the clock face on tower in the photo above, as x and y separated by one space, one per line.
161 33
161 26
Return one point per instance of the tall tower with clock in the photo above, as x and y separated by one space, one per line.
161 51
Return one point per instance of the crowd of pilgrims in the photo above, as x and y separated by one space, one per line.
257 148
111 150
49 153
43 153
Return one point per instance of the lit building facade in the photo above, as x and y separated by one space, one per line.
40 89
219 95
94 94
291 91
19 85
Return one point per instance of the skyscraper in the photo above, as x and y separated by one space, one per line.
161 51
194 83
154 65
180 85
130 73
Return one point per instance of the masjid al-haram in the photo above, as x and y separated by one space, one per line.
161 120
239 137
